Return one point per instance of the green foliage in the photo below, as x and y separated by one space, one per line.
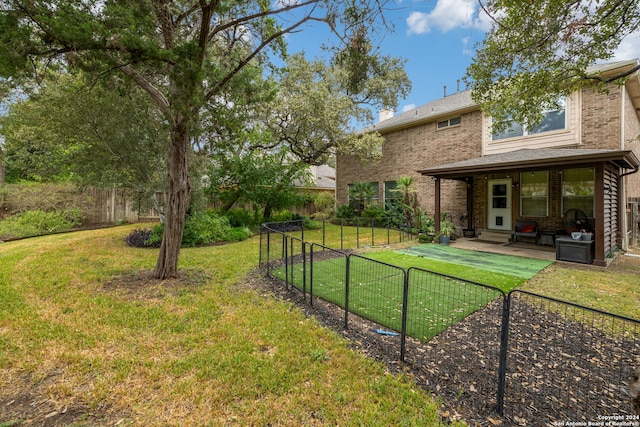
447 228
405 204
325 204
37 222
193 71
363 193
201 228
267 180
239 217
373 211
539 51
92 135
345 211
323 105
31 196
284 215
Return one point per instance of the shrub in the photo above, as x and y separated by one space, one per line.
200 228
373 211
345 211
237 234
37 222
239 217
310 224
139 238
204 227
325 203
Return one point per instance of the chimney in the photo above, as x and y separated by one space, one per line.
385 114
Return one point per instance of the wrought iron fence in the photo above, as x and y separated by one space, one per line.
535 359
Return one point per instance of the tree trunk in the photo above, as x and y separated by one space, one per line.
266 213
177 204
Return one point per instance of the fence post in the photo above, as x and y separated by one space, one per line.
260 250
286 260
311 275
292 253
346 292
405 302
304 270
268 253
504 343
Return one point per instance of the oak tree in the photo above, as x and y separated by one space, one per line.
539 51
181 53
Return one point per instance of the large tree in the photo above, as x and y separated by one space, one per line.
181 53
539 51
264 144
97 135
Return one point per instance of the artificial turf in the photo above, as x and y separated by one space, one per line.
434 301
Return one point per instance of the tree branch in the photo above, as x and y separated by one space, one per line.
158 97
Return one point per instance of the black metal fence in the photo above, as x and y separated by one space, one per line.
534 359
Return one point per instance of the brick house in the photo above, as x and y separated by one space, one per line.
583 157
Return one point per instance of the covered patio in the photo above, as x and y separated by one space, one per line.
541 185
529 250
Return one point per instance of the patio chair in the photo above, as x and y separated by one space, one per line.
526 229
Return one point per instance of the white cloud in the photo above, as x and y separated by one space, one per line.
629 48
408 107
447 15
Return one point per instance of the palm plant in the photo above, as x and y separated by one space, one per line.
363 193
408 198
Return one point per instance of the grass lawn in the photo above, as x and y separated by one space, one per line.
86 338
351 236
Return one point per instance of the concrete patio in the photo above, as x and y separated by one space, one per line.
530 250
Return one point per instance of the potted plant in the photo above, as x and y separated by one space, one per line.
446 230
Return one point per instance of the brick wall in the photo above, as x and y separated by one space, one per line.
407 151
601 119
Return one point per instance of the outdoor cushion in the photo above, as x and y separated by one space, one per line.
529 228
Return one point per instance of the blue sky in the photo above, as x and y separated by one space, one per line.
437 39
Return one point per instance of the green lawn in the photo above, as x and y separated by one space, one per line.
351 237
88 339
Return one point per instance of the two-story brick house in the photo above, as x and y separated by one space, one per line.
582 157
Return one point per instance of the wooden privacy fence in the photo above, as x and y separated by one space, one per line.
111 205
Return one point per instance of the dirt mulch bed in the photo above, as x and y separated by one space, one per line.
559 369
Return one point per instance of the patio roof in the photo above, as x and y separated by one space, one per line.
531 159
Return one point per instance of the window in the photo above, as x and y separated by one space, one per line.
363 194
553 120
534 193
449 122
390 196
578 188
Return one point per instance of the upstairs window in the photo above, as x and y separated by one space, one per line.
449 122
534 193
553 120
